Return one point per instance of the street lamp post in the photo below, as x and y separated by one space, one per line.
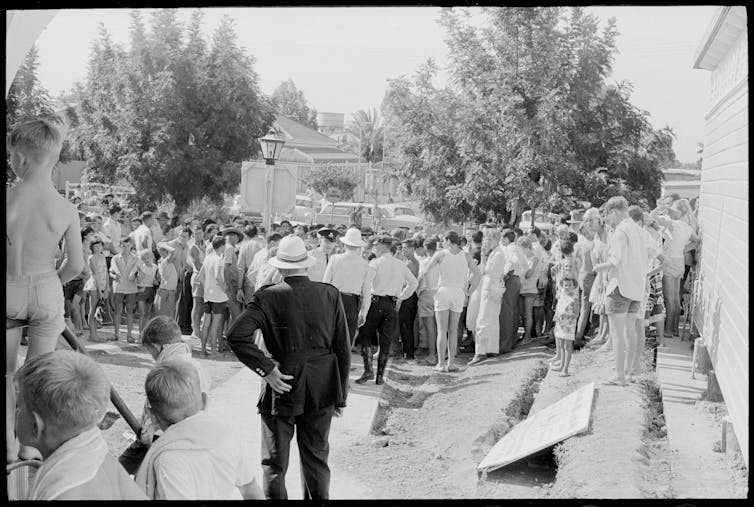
271 147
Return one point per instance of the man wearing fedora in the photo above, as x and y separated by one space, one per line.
349 272
393 282
322 254
306 335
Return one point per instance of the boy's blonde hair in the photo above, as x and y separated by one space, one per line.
66 388
173 389
146 254
36 138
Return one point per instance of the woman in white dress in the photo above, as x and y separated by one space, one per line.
487 322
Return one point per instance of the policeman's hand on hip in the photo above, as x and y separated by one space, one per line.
275 380
338 411
361 319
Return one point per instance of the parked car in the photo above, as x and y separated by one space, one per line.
340 213
399 215
543 221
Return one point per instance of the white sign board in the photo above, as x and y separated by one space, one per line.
254 188
561 420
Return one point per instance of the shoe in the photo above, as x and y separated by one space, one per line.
408 357
131 340
364 377
379 380
477 359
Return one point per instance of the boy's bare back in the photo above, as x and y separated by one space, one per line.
37 218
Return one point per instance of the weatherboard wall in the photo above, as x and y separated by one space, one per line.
721 312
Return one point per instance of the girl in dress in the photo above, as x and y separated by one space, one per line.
598 294
566 317
96 287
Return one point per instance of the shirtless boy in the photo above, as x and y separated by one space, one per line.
34 289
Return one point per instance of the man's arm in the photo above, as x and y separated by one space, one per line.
241 340
410 284
74 254
436 259
366 295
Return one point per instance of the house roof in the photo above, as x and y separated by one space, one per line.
722 32
303 143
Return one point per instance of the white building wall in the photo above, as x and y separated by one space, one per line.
722 309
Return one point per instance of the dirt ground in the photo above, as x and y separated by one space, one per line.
438 426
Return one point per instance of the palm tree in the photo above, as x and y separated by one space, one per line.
366 126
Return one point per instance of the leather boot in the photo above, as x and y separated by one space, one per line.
381 363
366 355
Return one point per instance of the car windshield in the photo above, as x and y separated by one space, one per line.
303 202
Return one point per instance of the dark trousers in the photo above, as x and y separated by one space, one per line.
312 432
351 304
406 316
509 314
381 325
184 304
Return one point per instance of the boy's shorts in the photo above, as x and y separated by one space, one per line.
73 288
37 299
215 308
147 295
615 302
449 298
118 298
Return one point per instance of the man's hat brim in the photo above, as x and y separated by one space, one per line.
304 263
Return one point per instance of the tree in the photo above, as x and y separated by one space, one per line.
173 115
323 177
290 101
526 120
27 99
366 126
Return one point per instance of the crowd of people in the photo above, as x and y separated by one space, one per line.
399 293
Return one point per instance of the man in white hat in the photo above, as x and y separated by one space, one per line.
350 273
305 332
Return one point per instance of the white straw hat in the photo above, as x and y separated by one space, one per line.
291 254
352 237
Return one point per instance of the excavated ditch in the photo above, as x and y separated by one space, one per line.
536 470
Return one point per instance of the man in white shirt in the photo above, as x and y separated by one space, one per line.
112 227
143 234
350 273
159 227
627 263
212 278
247 249
392 283
198 456
252 280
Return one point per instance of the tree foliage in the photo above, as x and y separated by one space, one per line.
291 102
323 177
526 120
173 114
27 99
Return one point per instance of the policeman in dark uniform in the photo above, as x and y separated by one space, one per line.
305 332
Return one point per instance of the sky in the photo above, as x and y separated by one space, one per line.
341 58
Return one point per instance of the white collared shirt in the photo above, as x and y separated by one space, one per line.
392 277
627 252
112 230
515 260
